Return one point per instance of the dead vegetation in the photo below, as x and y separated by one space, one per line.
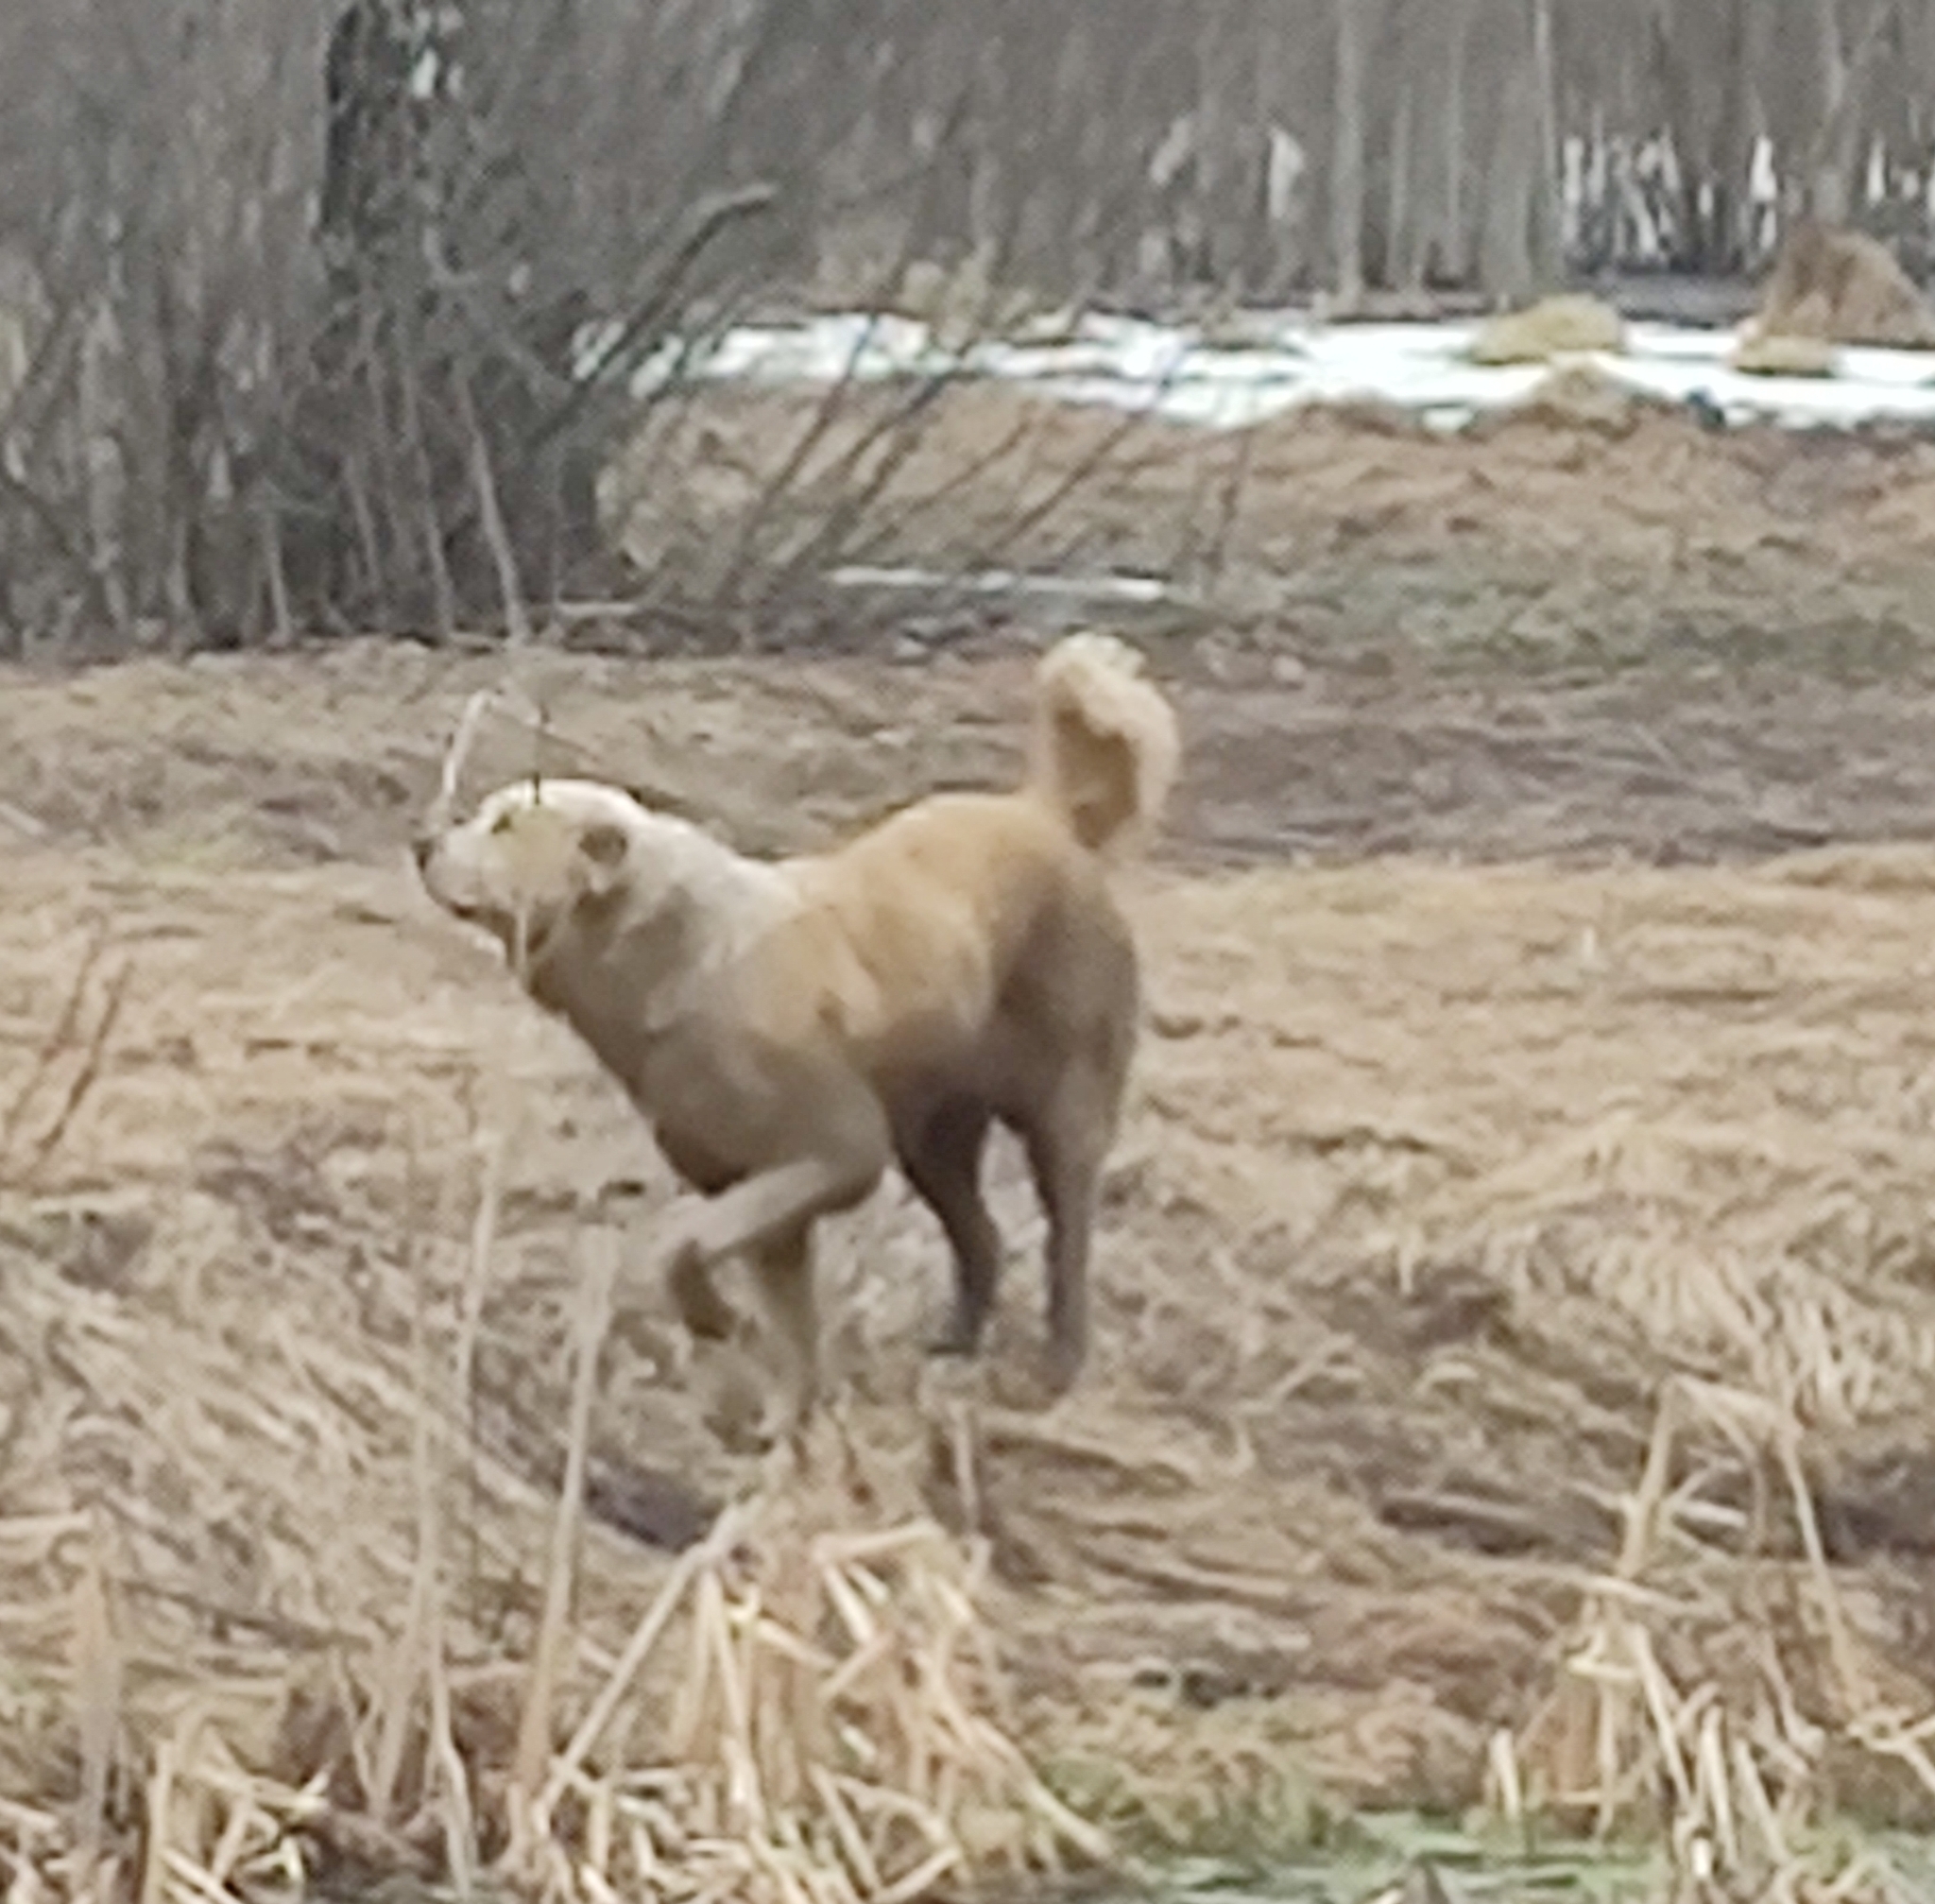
1727 1705
257 1581
1435 1178
1841 287
1233 521
1555 327
1515 1333
1763 354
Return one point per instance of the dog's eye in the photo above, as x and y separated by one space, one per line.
502 823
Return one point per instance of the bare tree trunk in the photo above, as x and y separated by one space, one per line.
1222 199
1404 260
1673 60
1725 241
1513 255
1826 190
1548 261
987 181
1349 106
1454 249
1281 249
1833 160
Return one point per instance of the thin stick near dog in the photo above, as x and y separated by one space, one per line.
790 1028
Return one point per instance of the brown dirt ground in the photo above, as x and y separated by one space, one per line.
1435 1169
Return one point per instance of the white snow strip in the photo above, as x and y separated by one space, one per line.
1107 587
1171 372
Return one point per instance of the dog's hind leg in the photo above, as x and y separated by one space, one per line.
1067 1146
943 1163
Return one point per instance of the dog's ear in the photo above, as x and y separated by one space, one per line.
603 846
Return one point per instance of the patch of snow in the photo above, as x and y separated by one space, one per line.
1174 373
1110 586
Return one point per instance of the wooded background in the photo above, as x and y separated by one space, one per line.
206 421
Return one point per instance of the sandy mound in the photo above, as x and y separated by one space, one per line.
1311 519
1761 353
961 306
1555 327
1573 397
1845 287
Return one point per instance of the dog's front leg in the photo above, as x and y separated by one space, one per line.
765 1208
769 1217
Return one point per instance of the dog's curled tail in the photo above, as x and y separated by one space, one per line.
1104 748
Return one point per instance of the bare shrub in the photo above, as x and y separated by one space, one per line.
237 399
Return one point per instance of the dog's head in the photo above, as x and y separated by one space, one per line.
533 857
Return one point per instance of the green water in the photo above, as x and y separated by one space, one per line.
1379 1858
1383 1854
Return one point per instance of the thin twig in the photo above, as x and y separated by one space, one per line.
517 618
685 1569
87 1075
463 738
598 1259
65 1029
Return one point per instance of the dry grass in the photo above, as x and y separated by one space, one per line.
800 1711
1708 1702
254 1575
1437 1181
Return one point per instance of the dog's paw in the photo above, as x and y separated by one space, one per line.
774 1435
738 1406
749 1437
1061 1365
735 1409
704 1312
958 1339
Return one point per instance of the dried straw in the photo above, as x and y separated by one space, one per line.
1657 1123
803 1710
1739 1768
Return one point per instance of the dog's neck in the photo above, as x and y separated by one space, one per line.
625 967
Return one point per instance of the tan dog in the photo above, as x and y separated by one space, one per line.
789 1028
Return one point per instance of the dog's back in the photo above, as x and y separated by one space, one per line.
917 939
